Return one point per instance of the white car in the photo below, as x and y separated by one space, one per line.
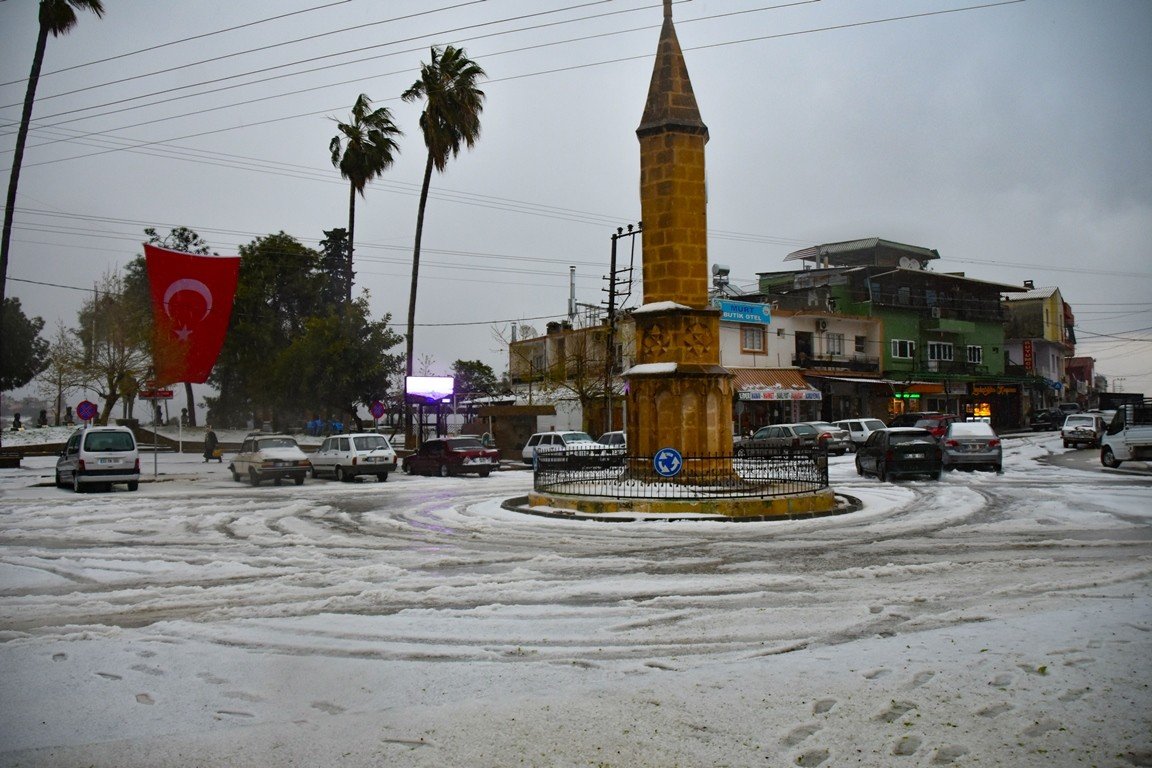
346 457
579 446
859 429
97 457
265 456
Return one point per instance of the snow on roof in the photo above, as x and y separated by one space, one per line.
650 368
659 306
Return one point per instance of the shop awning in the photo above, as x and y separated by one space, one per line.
772 384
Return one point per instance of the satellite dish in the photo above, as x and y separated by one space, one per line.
907 262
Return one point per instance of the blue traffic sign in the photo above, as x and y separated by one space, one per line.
87 410
667 462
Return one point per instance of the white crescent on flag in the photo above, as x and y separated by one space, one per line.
188 284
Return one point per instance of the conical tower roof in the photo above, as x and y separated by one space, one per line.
671 103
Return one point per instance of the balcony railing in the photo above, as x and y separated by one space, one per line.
858 364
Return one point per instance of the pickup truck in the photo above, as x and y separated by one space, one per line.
1128 436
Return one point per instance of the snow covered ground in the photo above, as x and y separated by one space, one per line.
980 621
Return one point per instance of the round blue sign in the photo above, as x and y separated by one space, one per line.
87 410
667 462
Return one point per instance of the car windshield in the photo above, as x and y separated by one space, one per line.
927 423
1079 421
275 442
873 424
370 442
108 441
804 429
578 437
971 429
464 443
824 426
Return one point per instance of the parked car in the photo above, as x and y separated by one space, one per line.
859 429
774 436
347 457
263 456
1046 419
933 421
617 443
578 445
835 439
972 444
447 456
900 451
1082 429
98 457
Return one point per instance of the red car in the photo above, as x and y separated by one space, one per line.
447 456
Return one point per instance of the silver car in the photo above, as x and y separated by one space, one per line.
972 444
835 439
97 457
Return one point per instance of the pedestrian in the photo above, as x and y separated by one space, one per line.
17 426
210 443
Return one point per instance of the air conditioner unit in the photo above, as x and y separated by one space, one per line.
936 312
821 325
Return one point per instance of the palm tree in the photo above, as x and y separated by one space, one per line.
57 17
451 118
366 152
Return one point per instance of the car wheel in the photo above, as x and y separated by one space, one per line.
133 486
313 472
1108 459
236 476
59 480
382 477
298 479
253 477
938 474
277 480
859 468
1067 444
881 472
445 471
340 474
998 468
484 472
77 486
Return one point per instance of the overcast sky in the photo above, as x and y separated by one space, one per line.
1012 137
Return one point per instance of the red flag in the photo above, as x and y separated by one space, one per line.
191 303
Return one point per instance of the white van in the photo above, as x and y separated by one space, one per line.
97 457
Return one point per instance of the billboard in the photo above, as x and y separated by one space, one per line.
428 389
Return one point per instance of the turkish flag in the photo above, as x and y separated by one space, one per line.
191 304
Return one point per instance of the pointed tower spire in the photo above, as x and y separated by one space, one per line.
671 103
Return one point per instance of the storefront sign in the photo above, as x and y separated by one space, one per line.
986 390
779 394
1029 360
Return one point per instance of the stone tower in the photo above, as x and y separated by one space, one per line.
678 394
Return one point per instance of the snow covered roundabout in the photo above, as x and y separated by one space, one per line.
981 620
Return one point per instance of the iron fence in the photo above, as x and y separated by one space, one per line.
771 472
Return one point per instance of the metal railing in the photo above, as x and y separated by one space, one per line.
771 472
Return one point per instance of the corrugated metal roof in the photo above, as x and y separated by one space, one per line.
768 378
1035 293
848 246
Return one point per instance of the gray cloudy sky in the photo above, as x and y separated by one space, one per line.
1012 137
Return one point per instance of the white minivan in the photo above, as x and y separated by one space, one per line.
97 457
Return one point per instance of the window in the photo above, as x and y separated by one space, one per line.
939 350
752 338
861 344
975 354
834 343
903 349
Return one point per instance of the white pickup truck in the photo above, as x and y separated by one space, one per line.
1128 436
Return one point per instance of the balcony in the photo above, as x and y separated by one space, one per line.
854 363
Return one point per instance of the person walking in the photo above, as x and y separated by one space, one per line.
210 443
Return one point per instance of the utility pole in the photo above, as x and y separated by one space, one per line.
614 279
